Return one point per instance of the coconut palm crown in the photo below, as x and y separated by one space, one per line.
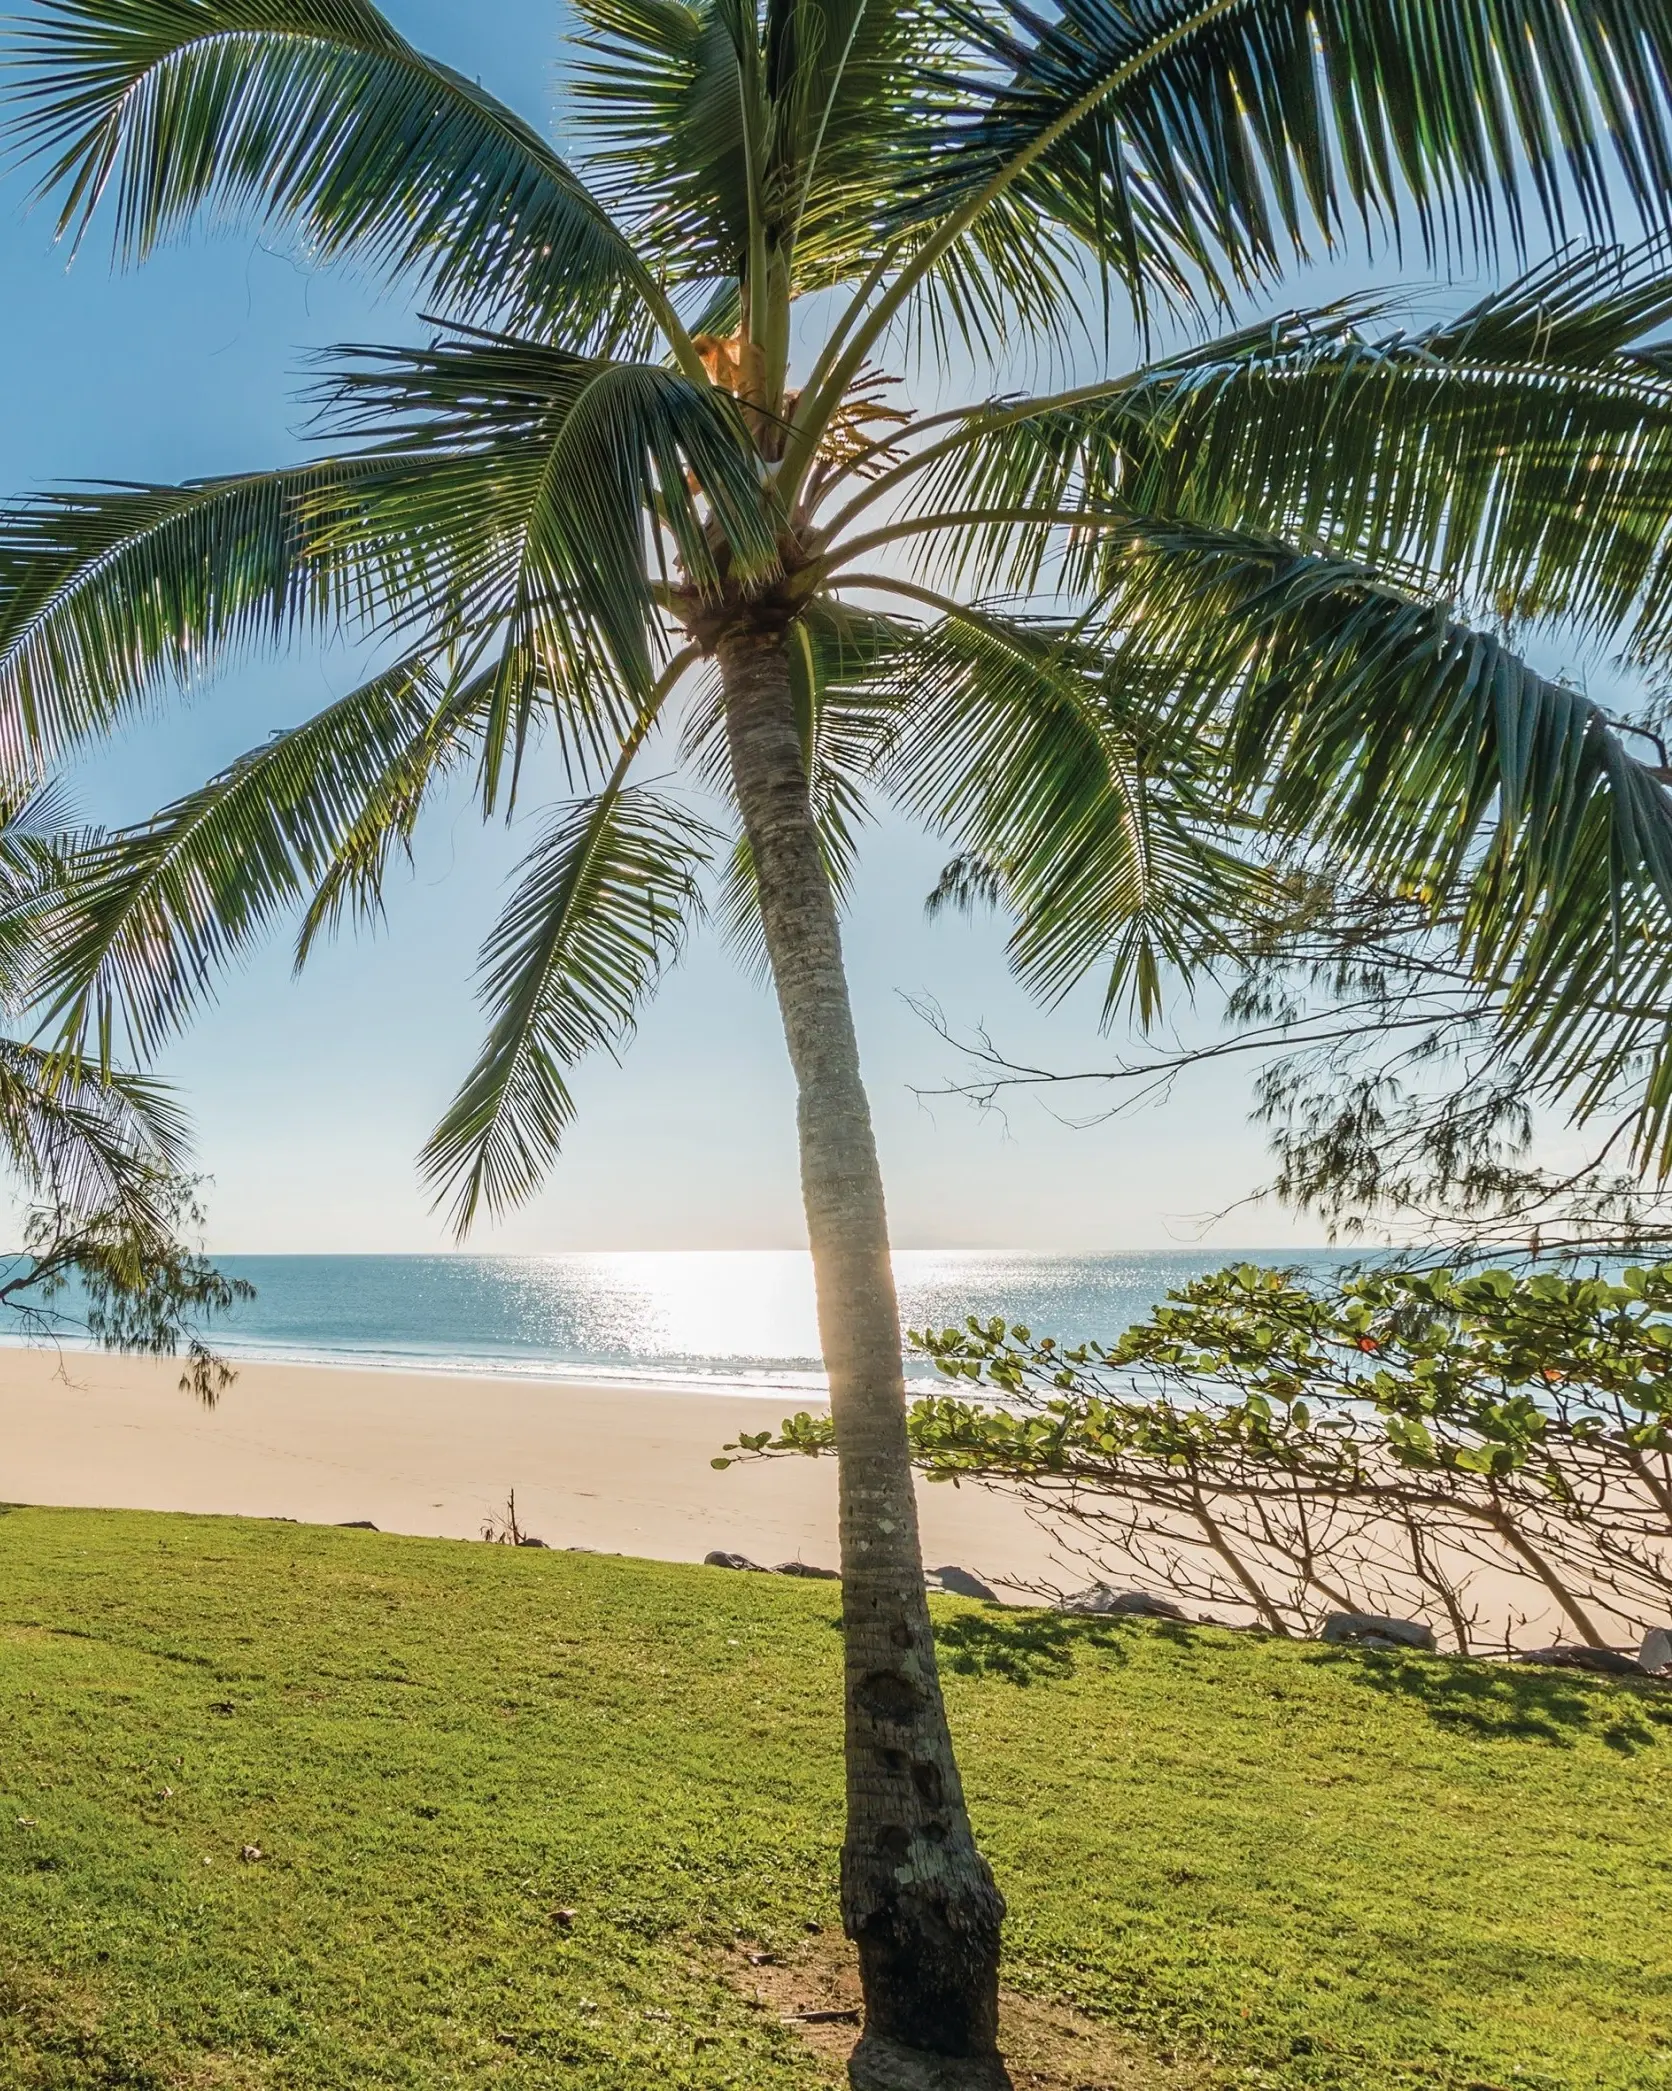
1123 643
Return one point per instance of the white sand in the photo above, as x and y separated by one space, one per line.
622 1469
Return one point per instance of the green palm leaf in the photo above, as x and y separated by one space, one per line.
1368 726
158 910
843 77
1519 455
658 85
316 114
600 912
1201 142
514 497
1074 803
516 485
704 124
38 846
1370 718
89 1142
108 596
349 882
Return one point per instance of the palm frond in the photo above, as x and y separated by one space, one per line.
1015 276
508 486
599 913
86 1142
519 486
657 83
842 77
1072 800
349 884
316 115
1367 716
1363 722
1197 145
109 595
37 840
705 121
1519 455
154 912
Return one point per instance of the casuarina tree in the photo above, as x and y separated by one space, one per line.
1118 643
95 1155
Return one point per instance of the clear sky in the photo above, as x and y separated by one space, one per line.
313 1095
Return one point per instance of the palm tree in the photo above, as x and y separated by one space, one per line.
1102 638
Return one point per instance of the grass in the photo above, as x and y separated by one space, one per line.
1315 1867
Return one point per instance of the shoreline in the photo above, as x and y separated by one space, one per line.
559 1373
615 1467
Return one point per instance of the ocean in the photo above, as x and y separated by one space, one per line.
715 1321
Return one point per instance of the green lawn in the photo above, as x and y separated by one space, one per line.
1316 1867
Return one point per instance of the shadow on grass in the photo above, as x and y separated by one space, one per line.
1025 1647
1500 1702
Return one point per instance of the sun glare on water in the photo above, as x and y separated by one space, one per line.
695 1303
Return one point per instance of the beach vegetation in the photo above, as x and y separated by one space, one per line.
1406 1096
1126 643
97 1158
527 1818
1384 1445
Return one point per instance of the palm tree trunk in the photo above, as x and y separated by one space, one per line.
918 1899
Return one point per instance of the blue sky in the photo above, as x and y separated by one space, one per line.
312 1095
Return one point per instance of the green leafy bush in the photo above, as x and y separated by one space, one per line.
1407 1440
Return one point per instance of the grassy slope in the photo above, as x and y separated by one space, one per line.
1324 1868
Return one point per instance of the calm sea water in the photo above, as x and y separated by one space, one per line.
715 1321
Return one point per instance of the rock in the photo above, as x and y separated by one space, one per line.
1573 1655
1656 1652
355 1524
251 1854
958 1582
719 1560
806 1568
1105 1599
1371 1630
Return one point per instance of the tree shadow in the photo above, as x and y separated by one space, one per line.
1024 1647
1504 1702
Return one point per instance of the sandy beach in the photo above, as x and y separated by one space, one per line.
619 1468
